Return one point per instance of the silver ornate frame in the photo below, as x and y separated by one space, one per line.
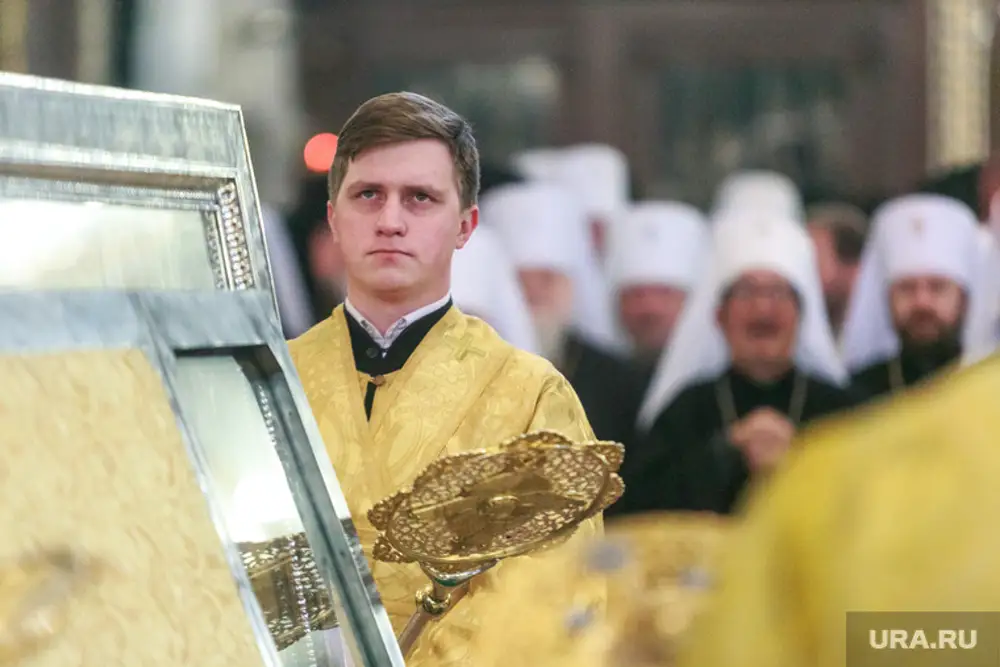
74 142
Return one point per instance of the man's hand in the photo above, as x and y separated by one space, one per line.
763 436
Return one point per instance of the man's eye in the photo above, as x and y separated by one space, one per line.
366 194
422 197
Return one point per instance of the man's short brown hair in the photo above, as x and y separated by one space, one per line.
397 117
847 224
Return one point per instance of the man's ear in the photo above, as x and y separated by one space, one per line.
470 220
331 221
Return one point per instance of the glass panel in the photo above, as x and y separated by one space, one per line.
715 120
513 106
91 245
248 484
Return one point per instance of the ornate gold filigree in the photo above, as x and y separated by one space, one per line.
481 506
465 513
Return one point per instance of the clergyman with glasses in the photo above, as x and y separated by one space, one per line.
752 361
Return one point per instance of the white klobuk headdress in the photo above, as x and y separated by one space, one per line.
657 243
543 226
598 177
698 350
919 234
758 193
484 283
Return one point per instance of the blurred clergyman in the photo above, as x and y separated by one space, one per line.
656 255
545 233
753 360
838 234
917 283
598 176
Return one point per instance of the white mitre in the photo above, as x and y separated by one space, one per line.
484 283
598 176
698 349
913 235
657 243
758 192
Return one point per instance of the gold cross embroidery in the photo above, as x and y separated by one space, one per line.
465 348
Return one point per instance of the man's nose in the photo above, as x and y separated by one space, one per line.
390 219
923 298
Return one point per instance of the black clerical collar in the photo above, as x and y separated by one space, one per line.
372 359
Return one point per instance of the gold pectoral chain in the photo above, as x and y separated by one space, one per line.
727 404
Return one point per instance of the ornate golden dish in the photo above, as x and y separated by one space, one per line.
468 511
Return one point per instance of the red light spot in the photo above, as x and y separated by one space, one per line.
320 151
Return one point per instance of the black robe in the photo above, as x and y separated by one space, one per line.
877 380
610 389
685 462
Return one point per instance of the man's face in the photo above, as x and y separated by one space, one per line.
837 278
759 317
927 309
549 295
397 220
649 313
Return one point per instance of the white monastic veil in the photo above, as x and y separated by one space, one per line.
698 350
484 284
950 247
983 324
595 311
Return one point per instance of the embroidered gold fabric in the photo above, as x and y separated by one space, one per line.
93 460
890 509
658 570
463 388
35 590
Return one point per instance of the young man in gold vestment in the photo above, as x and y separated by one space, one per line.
397 376
891 510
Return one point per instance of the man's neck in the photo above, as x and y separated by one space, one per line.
383 314
762 372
